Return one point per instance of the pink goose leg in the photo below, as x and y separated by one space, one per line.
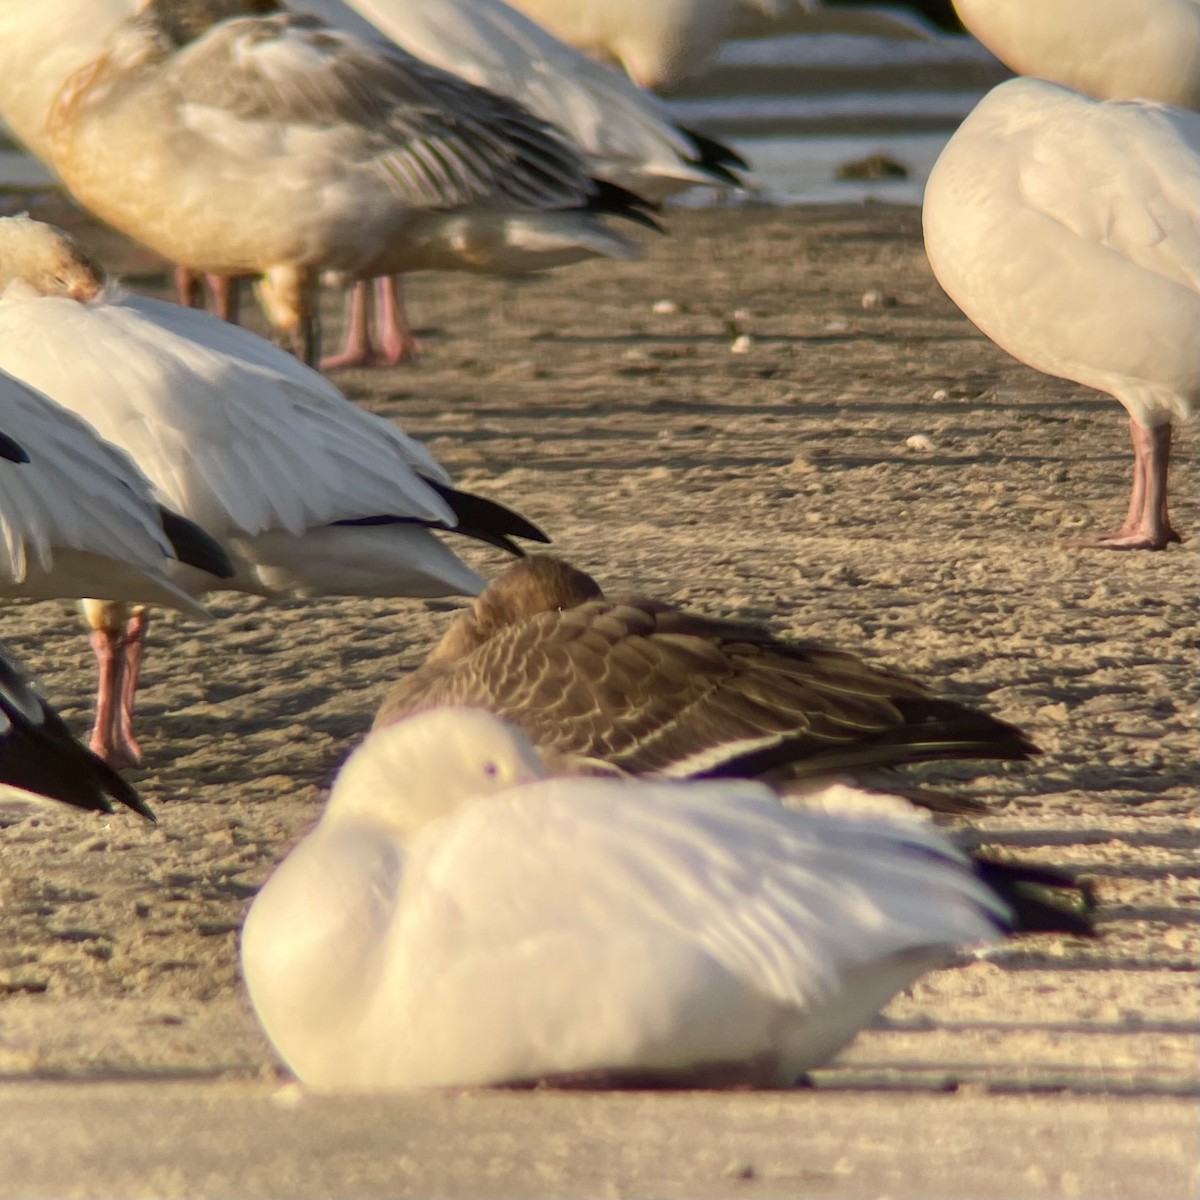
395 343
1147 524
119 639
356 350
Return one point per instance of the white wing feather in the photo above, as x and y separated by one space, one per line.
786 901
76 493
234 433
1134 173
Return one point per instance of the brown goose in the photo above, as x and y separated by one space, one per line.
637 686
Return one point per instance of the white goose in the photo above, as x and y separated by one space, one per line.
625 133
456 919
661 44
310 494
658 45
1108 49
278 148
1068 230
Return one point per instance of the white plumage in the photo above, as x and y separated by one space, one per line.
1069 231
1108 49
260 451
78 519
455 919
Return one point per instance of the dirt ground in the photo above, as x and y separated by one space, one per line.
778 484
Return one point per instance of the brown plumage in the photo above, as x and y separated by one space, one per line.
641 687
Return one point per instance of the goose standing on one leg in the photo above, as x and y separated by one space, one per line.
310 494
1068 230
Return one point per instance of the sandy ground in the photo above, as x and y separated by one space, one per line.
775 485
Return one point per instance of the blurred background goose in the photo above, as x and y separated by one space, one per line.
624 132
638 686
457 919
39 755
310 494
275 147
1107 49
1068 230
663 44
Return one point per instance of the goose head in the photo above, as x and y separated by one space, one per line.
408 774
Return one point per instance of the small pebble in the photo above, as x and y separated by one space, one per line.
919 441
941 394
665 307
836 326
739 1170
874 298
741 314
290 1095
874 166
741 344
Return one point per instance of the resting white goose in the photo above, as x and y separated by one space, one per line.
1068 230
456 919
310 494
1108 49
278 148
625 133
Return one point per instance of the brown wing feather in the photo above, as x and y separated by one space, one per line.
653 690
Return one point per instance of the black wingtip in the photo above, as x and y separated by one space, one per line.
487 520
715 157
477 517
1042 899
38 753
610 199
193 546
13 451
